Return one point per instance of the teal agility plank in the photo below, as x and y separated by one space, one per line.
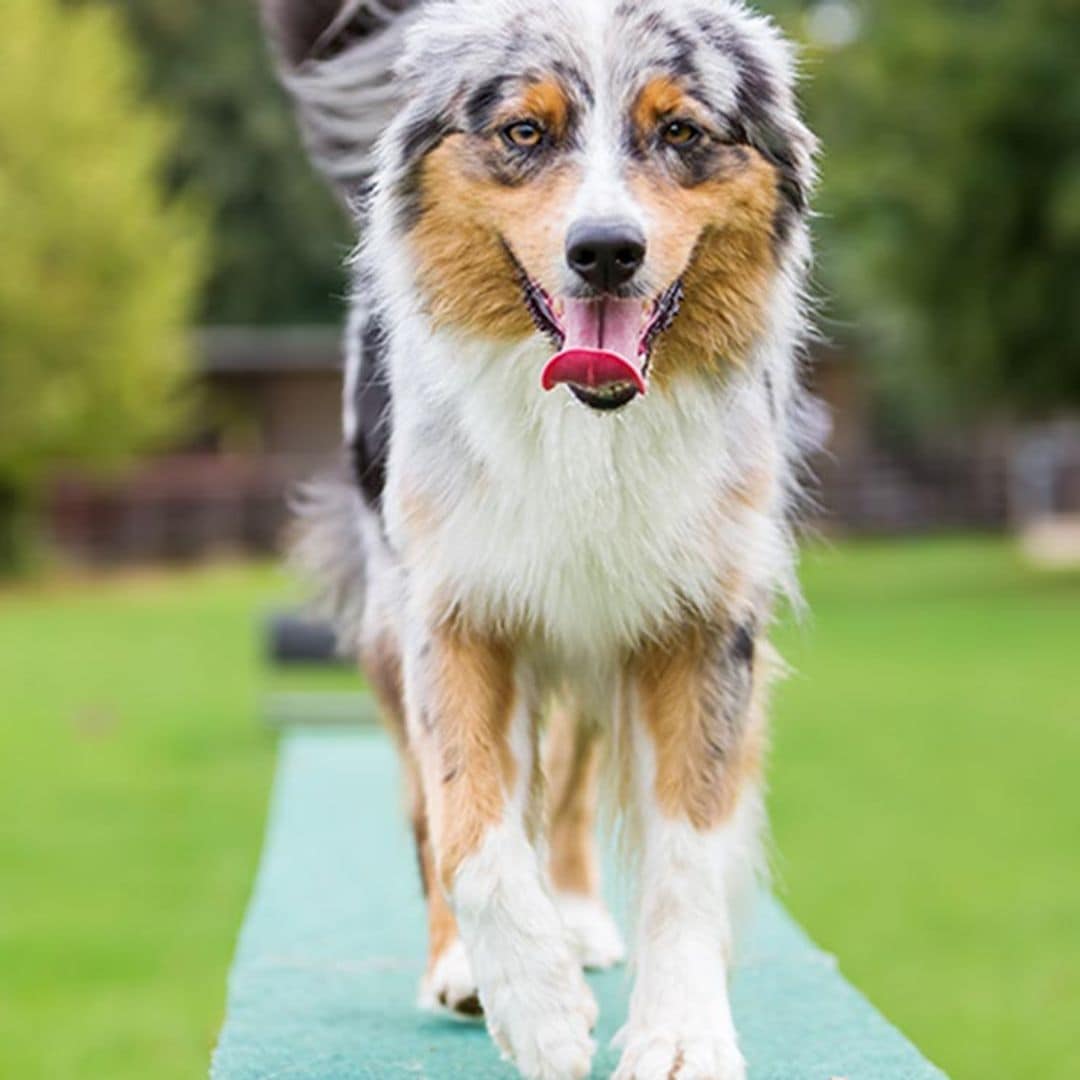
325 976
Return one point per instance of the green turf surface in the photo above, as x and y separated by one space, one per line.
925 798
323 986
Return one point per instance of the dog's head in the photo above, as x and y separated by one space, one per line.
625 177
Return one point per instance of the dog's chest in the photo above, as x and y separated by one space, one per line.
591 529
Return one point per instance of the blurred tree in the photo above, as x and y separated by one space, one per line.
951 199
279 237
97 275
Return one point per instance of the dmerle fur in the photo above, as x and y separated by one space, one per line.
613 551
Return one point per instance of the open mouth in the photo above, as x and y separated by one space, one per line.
604 344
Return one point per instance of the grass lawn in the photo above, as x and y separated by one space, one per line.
926 783
927 796
133 780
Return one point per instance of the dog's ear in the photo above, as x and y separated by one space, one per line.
336 58
767 115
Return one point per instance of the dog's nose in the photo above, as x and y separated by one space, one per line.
606 254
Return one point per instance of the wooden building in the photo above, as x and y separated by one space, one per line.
266 416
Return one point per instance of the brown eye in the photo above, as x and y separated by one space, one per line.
523 134
681 134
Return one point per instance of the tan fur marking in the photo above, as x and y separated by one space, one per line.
466 218
382 665
418 511
572 753
676 1068
545 101
442 926
693 781
661 97
756 490
475 698
717 236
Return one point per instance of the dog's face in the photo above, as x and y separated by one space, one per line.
623 177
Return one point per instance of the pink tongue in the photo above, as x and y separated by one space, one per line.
603 339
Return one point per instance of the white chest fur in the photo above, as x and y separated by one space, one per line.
591 528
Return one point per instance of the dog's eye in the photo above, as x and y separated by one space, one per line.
523 134
681 134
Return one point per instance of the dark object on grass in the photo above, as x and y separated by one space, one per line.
293 639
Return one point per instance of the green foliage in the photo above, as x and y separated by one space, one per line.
96 273
951 197
279 236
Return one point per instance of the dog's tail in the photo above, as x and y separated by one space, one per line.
336 58
328 550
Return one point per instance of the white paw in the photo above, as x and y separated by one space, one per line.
592 931
542 1016
450 987
680 1052
537 1004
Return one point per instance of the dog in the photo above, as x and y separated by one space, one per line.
577 430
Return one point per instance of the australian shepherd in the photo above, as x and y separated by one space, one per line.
576 426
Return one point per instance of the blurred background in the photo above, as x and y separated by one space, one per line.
171 290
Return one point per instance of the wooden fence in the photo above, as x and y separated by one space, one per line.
175 509
194 506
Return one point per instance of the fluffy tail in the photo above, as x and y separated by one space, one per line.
336 58
327 550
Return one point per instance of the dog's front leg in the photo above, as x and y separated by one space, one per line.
697 733
472 729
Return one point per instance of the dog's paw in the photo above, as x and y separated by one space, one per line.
680 1052
542 1019
592 931
450 988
